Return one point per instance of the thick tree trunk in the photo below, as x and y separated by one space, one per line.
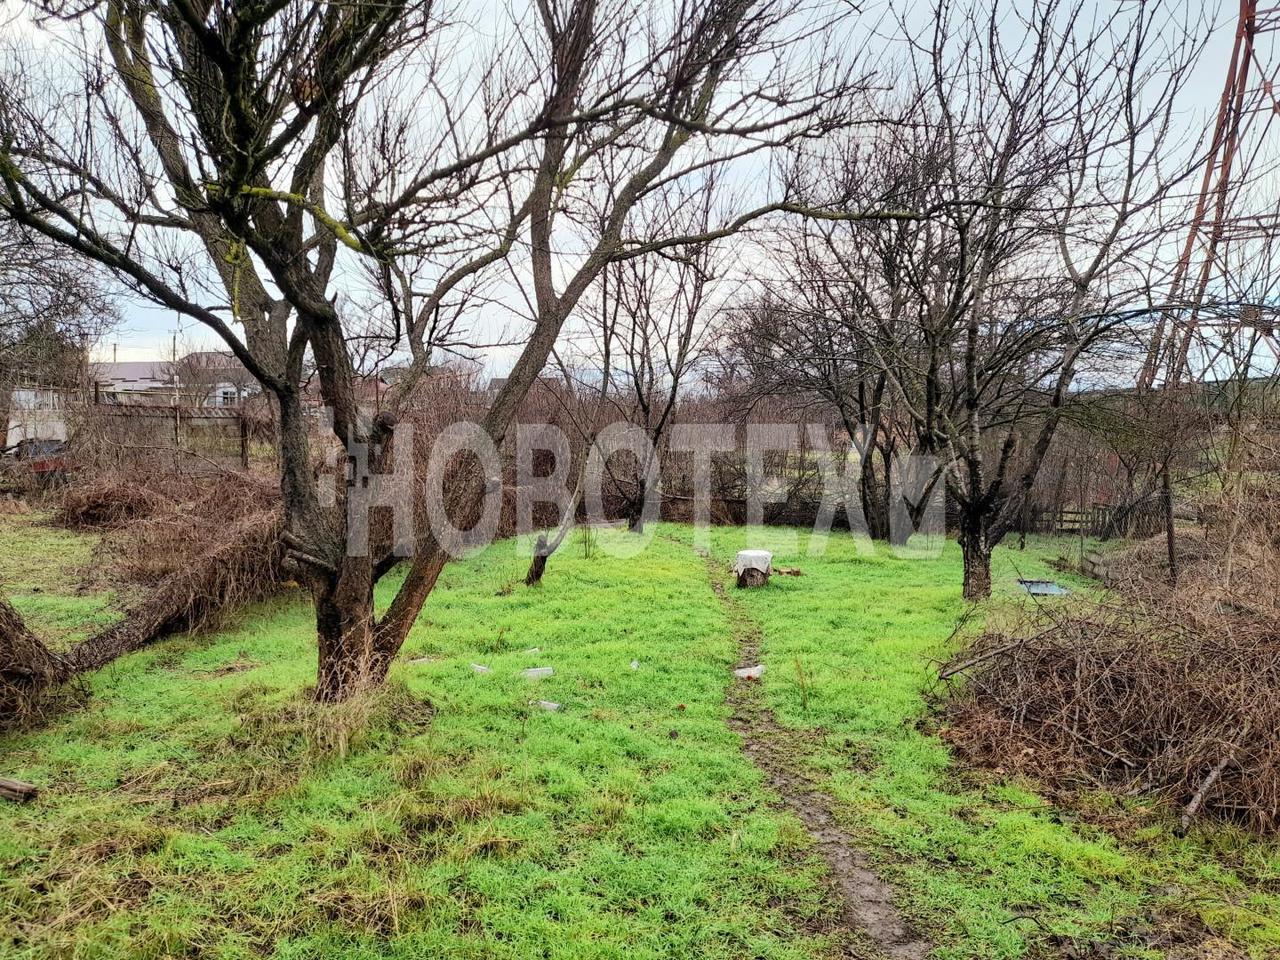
635 508
349 661
875 503
977 559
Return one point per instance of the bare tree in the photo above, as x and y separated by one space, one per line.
1047 154
586 397
803 342
667 305
53 307
240 163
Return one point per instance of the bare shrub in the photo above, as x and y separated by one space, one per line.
107 501
189 521
1160 689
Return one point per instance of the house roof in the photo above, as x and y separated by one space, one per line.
213 360
132 372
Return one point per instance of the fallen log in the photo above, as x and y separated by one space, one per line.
17 790
244 566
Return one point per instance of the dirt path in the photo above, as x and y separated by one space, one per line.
868 911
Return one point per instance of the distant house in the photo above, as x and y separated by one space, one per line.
203 378
35 416
369 392
214 378
543 383
132 381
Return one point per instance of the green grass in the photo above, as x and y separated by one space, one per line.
989 864
187 810
42 569
184 810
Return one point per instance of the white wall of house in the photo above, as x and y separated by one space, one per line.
227 395
35 414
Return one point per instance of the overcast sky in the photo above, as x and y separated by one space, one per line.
149 332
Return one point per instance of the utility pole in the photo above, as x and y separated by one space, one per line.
1248 94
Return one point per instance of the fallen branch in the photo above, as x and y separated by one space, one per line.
1197 801
948 672
27 667
243 567
17 790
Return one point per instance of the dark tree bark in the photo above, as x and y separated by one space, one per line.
1170 536
976 551
874 495
538 565
348 656
545 547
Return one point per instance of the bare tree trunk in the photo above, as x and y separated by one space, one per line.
1024 520
1171 545
348 660
900 533
544 548
874 495
640 500
635 508
977 558
538 565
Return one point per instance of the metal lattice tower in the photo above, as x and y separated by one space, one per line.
1246 112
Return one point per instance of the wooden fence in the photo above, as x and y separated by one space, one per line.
1142 519
178 439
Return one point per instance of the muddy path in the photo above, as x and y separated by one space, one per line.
874 925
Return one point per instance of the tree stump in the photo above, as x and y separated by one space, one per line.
752 567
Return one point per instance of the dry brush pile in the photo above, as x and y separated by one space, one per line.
194 549
205 548
1160 689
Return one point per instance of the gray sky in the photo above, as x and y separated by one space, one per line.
148 331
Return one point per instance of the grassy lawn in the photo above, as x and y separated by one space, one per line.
184 812
989 865
41 569
187 811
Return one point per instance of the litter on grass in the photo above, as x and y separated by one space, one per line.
750 673
537 673
479 668
1043 588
